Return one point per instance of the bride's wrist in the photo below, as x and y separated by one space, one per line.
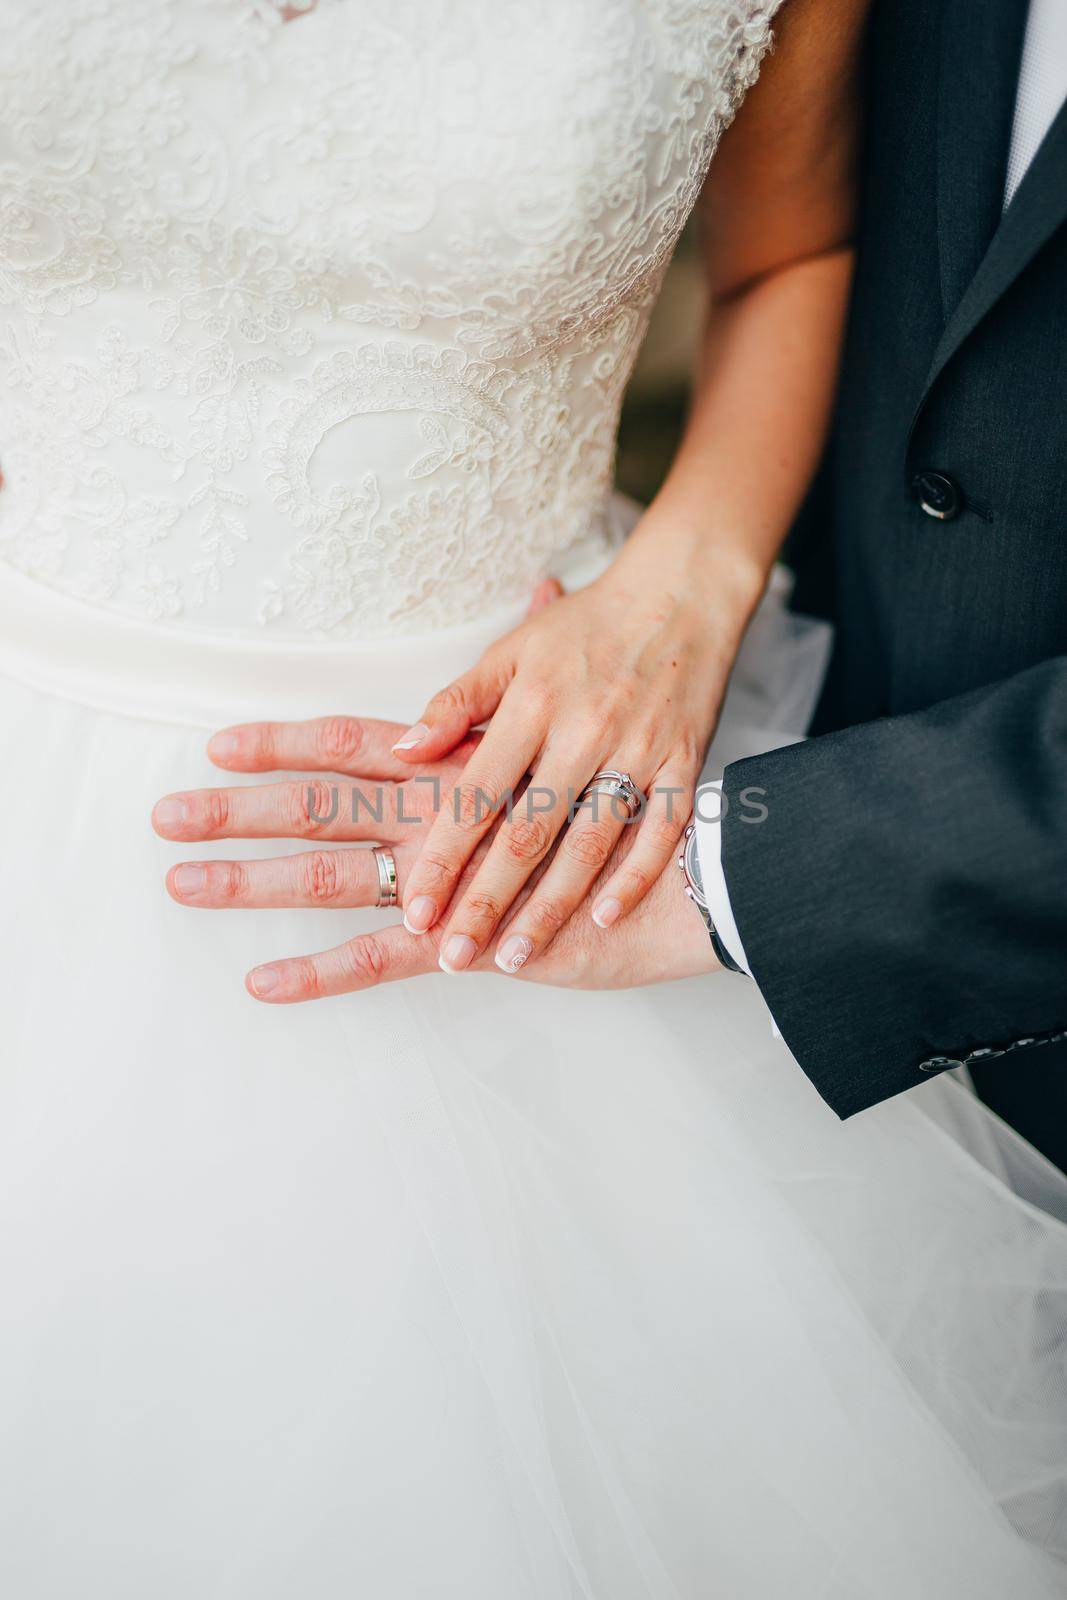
672 553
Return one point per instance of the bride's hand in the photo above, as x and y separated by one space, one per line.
666 940
627 675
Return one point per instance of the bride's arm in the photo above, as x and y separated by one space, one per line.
630 673
775 224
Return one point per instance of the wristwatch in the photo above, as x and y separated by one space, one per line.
689 862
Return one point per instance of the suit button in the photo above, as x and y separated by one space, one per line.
938 494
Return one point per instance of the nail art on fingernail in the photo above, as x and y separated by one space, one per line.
513 952
413 737
189 878
607 911
419 915
263 979
457 952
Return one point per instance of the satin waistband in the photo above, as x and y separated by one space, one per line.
64 647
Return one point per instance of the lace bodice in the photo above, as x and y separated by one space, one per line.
321 325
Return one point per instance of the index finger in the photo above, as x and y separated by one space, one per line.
489 782
360 963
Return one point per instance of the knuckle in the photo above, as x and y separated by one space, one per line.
323 879
307 981
312 804
647 738
538 700
257 744
434 872
634 882
545 915
234 885
618 698
218 810
364 961
451 698
527 838
589 844
473 806
481 907
340 739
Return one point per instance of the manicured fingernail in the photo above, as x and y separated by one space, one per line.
419 915
457 952
169 813
223 747
189 879
413 737
261 980
513 951
607 911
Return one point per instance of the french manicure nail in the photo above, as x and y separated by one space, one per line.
189 878
607 911
223 747
419 915
263 979
413 737
457 952
513 951
169 813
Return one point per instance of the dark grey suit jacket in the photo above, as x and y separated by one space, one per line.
904 904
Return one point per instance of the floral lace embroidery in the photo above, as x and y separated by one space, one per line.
325 328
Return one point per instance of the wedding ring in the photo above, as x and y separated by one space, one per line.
617 786
387 879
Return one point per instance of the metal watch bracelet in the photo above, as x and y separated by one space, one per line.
689 862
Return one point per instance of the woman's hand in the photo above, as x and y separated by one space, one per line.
628 675
667 941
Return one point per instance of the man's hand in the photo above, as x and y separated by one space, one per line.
664 938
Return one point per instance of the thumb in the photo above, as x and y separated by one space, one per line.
453 712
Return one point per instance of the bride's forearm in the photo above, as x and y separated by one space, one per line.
760 412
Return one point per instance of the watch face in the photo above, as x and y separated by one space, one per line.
692 864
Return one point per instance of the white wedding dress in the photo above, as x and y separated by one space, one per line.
313 334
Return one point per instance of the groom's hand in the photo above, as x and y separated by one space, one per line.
385 801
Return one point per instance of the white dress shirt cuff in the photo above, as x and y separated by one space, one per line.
707 814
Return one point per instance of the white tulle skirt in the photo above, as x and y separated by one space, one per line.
465 1288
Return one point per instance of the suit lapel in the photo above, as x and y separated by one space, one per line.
1038 209
980 50
983 249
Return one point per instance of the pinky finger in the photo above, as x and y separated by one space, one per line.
669 803
360 963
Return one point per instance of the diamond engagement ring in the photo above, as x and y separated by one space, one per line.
617 786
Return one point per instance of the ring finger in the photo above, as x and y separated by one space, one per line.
521 844
335 878
584 849
669 804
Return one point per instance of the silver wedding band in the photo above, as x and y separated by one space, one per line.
387 878
617 786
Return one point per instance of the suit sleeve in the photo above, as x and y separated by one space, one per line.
900 887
